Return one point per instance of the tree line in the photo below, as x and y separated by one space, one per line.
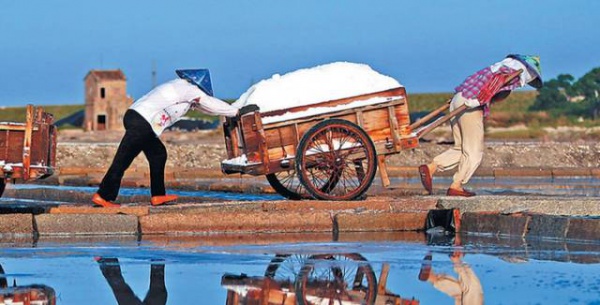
564 95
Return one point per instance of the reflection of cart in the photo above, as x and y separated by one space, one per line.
313 280
27 150
30 294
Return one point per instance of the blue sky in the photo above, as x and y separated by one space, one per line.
429 46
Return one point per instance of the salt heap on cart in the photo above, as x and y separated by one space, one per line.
315 85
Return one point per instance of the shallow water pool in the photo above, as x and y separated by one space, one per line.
312 269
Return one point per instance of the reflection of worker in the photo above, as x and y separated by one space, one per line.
478 91
157 293
3 280
465 290
144 122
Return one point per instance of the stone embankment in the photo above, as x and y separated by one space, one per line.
65 212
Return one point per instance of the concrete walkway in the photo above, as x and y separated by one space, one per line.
46 212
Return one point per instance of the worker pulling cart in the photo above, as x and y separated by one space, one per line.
328 150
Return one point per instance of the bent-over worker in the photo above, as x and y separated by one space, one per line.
144 122
478 92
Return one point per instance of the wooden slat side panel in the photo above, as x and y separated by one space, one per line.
304 127
279 153
39 145
402 114
251 138
255 144
375 120
281 136
351 117
15 147
262 144
381 135
4 144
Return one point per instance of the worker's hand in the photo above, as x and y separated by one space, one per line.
195 104
248 109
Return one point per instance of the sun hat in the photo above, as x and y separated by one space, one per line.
198 77
532 62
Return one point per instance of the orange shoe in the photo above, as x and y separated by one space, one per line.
463 193
103 203
158 200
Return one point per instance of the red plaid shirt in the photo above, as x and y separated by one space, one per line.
471 86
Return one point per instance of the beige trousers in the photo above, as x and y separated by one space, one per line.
467 130
466 290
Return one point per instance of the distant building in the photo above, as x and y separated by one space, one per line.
106 100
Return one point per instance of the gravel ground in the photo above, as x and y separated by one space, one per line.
205 149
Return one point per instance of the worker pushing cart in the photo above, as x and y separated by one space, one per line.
145 121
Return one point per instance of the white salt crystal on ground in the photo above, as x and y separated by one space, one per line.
313 85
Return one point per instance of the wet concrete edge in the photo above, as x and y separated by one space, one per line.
562 218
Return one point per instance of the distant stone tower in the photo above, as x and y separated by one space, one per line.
106 100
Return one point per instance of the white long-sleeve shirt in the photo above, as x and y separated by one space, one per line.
167 103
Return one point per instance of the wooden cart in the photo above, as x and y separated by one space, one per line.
344 278
27 150
330 155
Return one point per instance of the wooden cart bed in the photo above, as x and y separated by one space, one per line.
265 143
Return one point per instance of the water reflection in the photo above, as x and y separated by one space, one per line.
272 269
31 294
466 289
314 279
157 293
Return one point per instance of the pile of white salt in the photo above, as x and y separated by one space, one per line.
313 85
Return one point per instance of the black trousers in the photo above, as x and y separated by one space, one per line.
156 295
138 137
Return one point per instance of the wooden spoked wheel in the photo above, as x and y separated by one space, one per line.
336 279
287 184
336 160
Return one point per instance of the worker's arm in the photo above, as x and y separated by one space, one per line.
213 106
505 80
